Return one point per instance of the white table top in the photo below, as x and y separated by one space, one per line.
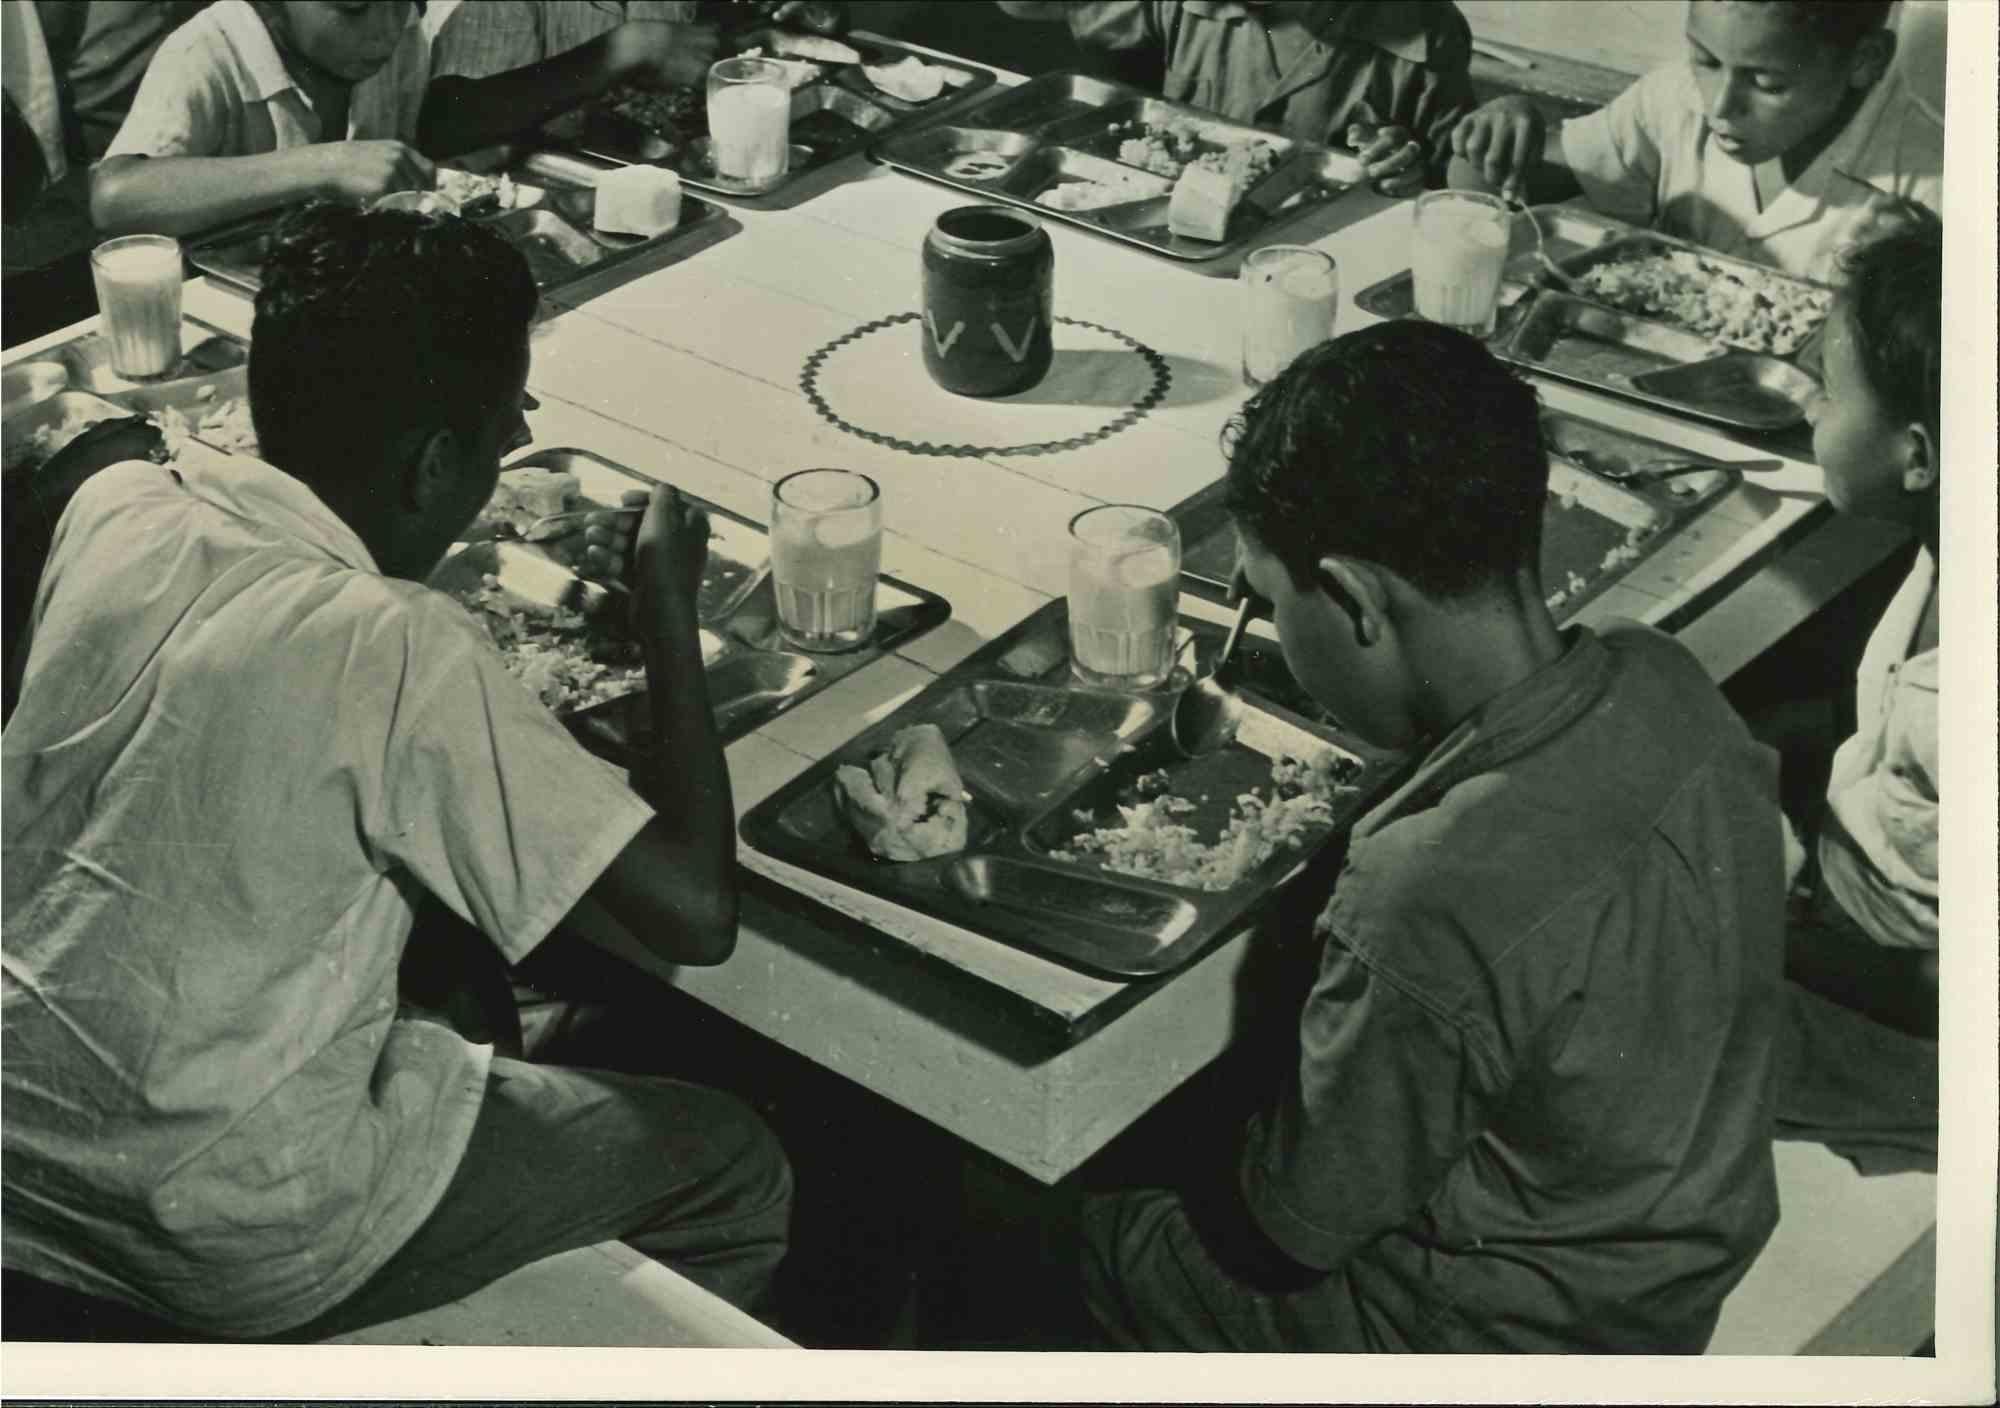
687 369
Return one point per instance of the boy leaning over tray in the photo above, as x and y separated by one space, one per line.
258 104
252 757
1786 136
1389 78
1530 1108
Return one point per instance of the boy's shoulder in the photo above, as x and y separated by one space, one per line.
1496 831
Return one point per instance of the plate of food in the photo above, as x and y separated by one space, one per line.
1018 804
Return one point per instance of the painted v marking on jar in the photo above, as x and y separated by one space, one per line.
944 344
1016 351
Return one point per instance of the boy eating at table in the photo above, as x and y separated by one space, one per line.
258 104
1785 137
250 749
1388 78
1530 1108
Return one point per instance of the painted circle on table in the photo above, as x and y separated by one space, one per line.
871 383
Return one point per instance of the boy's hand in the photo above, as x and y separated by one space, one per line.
811 16
367 171
1503 139
658 54
669 553
1391 156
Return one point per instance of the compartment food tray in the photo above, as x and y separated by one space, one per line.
1586 342
753 675
74 382
551 223
834 115
1045 759
1595 532
1014 147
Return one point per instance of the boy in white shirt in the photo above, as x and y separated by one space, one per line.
1782 138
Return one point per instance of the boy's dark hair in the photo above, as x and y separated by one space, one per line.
1894 297
1405 444
371 324
1839 23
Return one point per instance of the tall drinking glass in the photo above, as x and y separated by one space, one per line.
1290 295
750 121
1124 582
826 554
138 280
1457 251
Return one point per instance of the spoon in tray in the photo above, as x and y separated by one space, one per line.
1206 715
1550 269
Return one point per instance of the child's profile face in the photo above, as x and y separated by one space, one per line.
350 39
1766 84
1861 448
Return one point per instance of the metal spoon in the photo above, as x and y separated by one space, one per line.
1653 471
1206 715
1549 266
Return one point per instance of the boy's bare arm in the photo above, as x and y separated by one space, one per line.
1507 145
177 195
461 114
1034 9
673 887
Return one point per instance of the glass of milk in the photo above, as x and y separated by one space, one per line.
138 280
826 555
1457 251
750 121
1290 294
1124 586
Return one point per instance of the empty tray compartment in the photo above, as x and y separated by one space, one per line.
825 115
554 248
1587 339
1746 389
1099 183
1094 922
971 154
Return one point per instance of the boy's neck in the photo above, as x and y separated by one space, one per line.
1467 656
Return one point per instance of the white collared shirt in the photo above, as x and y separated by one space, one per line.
219 87
239 757
1648 158
1878 850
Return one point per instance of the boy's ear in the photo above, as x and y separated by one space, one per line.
1359 592
1872 57
433 470
1920 460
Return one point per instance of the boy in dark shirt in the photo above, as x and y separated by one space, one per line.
1531 1108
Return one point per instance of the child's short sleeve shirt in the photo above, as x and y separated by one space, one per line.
1379 63
1648 158
219 87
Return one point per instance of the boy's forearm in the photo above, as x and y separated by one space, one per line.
683 774
177 195
1033 9
463 114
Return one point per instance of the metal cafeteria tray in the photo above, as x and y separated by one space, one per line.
1595 531
1044 760
74 382
551 223
1758 282
1589 343
753 676
1014 147
834 115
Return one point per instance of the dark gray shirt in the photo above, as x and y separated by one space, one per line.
1533 1104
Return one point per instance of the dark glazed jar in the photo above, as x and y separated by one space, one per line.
989 280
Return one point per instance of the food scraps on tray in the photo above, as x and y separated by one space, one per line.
1739 305
222 421
475 193
1169 148
1152 842
908 804
568 660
